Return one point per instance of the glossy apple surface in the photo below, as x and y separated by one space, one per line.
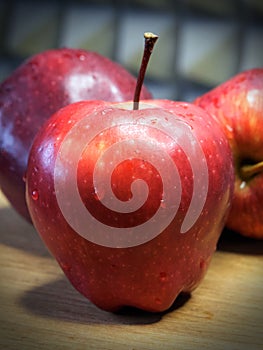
238 106
38 88
132 205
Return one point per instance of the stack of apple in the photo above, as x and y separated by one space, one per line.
130 196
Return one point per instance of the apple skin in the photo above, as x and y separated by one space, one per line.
238 106
38 88
147 276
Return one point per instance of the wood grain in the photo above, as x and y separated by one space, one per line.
41 310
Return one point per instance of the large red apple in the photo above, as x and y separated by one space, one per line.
131 203
238 106
40 86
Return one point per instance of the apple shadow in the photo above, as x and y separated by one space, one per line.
16 232
59 300
233 242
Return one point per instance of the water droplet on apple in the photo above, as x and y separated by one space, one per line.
163 276
99 195
65 267
216 102
81 57
242 185
35 195
163 204
158 301
229 127
202 264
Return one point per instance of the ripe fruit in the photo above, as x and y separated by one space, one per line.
131 202
38 88
238 106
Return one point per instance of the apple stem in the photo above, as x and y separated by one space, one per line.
248 171
150 40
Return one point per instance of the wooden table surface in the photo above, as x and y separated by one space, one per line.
40 309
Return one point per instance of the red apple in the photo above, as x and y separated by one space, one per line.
131 202
238 106
40 86
118 241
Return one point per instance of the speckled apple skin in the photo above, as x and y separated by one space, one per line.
238 106
149 276
38 88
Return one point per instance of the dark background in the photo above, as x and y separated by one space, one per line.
202 42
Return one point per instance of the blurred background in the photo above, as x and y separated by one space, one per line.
202 42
